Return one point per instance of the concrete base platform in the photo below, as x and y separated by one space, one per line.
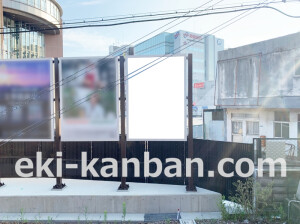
35 195
88 218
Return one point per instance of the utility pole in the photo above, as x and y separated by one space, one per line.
190 186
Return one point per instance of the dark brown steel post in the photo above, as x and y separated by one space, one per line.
123 185
1 183
190 186
57 143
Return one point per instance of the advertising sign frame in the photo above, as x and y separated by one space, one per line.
97 59
51 99
184 103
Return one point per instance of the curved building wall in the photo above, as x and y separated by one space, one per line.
30 17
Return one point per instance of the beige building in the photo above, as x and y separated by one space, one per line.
32 29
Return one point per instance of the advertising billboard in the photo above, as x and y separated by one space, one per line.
89 99
156 98
26 102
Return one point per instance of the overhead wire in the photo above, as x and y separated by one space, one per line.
63 80
103 59
141 21
194 15
232 20
141 15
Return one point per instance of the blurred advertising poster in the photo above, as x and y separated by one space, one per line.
89 99
26 100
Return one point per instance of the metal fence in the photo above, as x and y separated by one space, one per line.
211 152
275 148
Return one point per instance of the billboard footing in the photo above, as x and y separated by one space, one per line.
100 197
58 187
123 187
191 188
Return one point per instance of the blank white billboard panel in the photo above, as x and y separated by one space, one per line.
156 99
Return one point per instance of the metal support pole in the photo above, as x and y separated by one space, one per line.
1 184
57 143
190 186
123 185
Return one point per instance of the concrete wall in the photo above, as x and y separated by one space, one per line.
214 129
206 96
261 74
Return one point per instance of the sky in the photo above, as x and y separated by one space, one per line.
261 25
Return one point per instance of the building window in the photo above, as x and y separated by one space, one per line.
281 130
282 116
31 2
252 127
23 45
281 124
43 5
237 127
48 7
218 115
38 4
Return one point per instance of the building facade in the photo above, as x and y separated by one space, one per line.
32 29
160 44
123 50
204 50
258 86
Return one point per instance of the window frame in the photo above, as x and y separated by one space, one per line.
252 121
281 128
232 130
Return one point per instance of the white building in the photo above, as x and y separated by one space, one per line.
245 124
258 86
